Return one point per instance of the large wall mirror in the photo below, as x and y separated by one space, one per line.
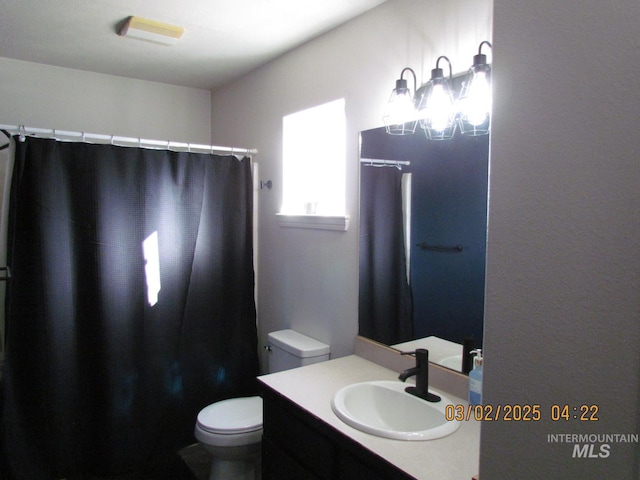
423 228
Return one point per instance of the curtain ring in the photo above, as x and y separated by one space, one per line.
22 133
111 140
83 139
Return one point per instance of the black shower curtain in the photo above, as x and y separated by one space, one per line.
385 311
97 381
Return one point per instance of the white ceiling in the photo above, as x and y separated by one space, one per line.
223 39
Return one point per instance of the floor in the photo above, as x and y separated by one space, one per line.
197 459
190 463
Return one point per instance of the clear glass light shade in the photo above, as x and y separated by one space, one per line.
437 110
400 115
474 104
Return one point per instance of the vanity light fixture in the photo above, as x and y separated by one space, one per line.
437 110
474 103
151 30
400 115
435 107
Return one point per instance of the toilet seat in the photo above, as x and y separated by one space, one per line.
233 416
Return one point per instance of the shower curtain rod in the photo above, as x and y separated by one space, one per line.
64 135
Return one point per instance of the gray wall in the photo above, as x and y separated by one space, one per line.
563 280
44 96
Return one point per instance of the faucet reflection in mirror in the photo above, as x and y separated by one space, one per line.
433 105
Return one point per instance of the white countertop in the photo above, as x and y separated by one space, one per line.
454 457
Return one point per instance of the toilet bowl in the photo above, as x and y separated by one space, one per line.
231 430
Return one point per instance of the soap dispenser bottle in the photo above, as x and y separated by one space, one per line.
475 379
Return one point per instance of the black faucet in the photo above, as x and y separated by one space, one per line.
421 371
467 359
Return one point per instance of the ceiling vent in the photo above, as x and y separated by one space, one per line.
152 31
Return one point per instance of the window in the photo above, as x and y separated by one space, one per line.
314 154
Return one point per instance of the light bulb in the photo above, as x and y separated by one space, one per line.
400 108
476 106
400 114
437 108
438 112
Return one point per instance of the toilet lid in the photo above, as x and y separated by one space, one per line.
235 415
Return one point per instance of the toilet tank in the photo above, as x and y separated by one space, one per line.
290 349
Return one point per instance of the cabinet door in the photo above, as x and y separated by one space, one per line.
298 446
287 427
278 465
350 468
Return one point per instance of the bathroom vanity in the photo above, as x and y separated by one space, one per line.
304 439
297 445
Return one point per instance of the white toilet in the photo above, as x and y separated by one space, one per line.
231 430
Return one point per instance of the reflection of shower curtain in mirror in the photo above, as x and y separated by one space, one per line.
130 306
6 162
385 305
406 221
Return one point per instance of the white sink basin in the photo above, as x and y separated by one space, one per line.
454 362
384 409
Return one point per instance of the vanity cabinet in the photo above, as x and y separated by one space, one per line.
296 445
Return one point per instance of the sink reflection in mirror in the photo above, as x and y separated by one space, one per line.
443 352
423 227
384 409
454 362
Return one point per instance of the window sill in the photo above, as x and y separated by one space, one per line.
321 222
